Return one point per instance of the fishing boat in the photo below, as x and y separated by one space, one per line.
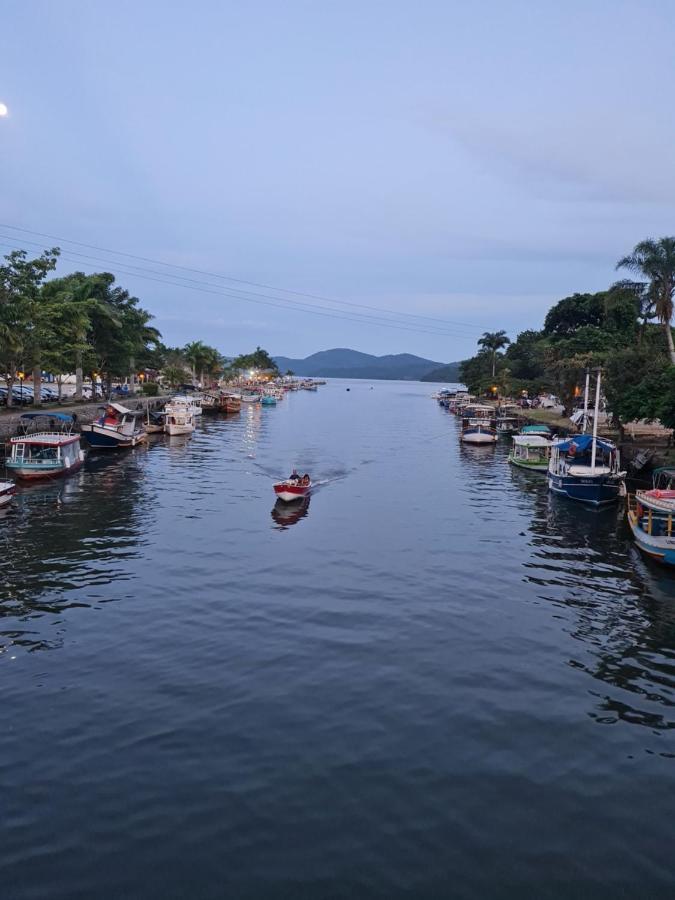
154 422
293 488
7 491
179 417
47 447
478 425
531 452
116 429
587 468
650 517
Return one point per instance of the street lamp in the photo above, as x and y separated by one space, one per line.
21 376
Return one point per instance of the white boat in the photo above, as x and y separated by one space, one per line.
250 397
178 418
478 425
7 490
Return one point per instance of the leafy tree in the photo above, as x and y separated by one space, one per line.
20 281
493 341
655 260
259 359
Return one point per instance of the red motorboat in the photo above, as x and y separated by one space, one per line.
294 488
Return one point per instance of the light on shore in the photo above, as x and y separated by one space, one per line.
3 109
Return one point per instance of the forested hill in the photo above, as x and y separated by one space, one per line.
344 363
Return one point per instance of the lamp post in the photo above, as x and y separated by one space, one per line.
21 376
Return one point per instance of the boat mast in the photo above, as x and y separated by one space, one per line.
595 422
585 419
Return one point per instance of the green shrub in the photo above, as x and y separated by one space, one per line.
151 389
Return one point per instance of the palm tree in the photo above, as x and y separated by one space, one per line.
655 260
493 341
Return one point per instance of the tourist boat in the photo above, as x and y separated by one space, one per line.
587 468
117 428
531 452
179 418
196 401
7 491
268 400
478 425
293 488
46 448
210 403
650 517
154 422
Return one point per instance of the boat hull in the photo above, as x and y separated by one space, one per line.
7 491
479 435
173 429
541 467
100 438
595 491
40 471
290 492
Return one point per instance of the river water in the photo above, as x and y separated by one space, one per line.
434 681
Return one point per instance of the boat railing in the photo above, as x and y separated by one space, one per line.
50 437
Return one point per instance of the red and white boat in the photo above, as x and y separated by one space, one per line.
293 488
7 491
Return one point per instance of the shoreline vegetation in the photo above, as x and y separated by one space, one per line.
81 327
625 330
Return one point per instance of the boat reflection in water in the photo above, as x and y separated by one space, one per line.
285 513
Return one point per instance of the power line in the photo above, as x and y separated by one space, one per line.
236 294
236 280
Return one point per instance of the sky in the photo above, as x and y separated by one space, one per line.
387 176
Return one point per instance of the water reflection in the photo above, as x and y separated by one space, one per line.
60 538
286 514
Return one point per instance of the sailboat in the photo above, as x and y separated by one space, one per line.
585 467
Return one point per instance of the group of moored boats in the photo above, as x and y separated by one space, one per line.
583 467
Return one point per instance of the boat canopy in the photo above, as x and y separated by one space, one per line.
584 442
535 429
63 417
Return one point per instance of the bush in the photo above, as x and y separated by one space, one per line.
151 389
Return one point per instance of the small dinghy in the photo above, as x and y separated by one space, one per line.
293 488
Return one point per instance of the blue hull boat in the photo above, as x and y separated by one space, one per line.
586 469
593 489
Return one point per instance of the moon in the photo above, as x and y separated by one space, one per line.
3 109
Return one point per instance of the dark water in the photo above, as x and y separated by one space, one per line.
433 681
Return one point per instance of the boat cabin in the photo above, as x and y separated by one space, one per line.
46 446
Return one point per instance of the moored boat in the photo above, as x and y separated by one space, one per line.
47 448
478 425
531 452
154 422
268 400
650 517
7 491
293 488
116 429
179 418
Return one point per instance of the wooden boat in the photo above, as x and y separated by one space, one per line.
531 452
478 425
116 429
48 449
231 403
268 400
7 491
293 488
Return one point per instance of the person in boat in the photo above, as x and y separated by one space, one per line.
305 479
294 476
109 417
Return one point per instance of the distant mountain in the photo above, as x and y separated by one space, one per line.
341 363
448 374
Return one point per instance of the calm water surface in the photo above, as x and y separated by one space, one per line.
433 681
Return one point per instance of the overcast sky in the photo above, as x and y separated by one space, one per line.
470 163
